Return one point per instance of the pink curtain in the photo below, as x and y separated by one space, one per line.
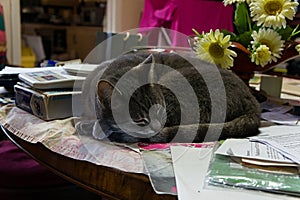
184 15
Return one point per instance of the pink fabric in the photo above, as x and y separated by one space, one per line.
202 15
157 13
184 15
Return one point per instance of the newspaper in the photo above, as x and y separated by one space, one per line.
60 136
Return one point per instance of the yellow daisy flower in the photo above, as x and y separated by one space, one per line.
213 47
272 13
261 56
271 39
298 48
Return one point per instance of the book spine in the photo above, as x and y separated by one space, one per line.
22 99
30 101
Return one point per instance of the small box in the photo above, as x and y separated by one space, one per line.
272 85
48 104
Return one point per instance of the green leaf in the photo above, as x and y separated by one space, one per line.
289 33
233 36
285 33
255 27
242 20
196 32
226 32
245 38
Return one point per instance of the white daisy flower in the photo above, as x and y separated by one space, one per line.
271 39
272 13
230 2
261 56
213 47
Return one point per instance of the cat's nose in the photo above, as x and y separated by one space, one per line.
155 125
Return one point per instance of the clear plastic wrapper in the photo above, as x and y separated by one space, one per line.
226 172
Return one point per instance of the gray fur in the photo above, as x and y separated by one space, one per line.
242 110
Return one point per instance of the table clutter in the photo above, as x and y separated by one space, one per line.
234 167
47 92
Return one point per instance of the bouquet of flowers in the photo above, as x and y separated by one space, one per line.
260 26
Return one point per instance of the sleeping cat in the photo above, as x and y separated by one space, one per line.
164 97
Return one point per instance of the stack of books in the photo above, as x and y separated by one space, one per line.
48 93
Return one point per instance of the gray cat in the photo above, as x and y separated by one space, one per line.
166 97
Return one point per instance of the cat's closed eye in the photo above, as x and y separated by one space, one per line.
142 121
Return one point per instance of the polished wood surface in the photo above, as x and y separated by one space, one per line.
108 182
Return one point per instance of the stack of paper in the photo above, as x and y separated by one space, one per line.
257 155
268 162
239 168
276 146
191 166
280 111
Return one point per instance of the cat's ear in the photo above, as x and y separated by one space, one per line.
104 91
146 69
152 75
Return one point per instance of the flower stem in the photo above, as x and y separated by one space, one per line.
294 32
249 22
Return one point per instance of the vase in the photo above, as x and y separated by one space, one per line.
245 69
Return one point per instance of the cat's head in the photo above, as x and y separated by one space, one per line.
131 108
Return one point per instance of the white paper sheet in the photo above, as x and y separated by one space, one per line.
244 148
36 44
278 130
281 118
276 107
287 144
18 70
278 112
190 168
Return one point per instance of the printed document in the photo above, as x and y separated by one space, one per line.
287 144
244 148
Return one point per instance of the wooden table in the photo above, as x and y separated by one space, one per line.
108 182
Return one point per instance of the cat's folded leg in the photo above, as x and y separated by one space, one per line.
176 134
183 133
241 127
